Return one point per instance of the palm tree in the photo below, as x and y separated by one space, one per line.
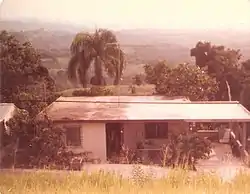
100 48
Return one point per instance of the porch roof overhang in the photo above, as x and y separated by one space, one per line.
112 109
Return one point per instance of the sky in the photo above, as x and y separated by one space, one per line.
161 14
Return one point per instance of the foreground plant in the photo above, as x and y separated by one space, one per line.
177 181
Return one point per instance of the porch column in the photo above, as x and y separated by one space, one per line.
244 135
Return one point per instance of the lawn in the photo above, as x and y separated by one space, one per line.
123 90
177 182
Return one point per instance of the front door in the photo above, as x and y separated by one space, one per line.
114 139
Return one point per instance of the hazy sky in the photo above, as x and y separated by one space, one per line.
135 13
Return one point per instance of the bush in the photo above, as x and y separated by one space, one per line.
94 91
138 80
185 150
81 92
32 143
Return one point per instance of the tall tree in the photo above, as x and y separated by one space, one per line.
183 80
24 81
222 64
100 48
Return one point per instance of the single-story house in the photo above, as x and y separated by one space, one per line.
102 124
7 111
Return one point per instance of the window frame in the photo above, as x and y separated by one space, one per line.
157 128
73 127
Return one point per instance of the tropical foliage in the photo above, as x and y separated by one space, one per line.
27 84
182 80
224 65
33 143
24 81
100 48
184 150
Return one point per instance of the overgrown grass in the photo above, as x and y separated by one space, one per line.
178 181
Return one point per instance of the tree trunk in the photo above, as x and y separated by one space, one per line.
228 91
230 99
118 75
82 73
98 72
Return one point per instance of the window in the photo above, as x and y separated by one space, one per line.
156 130
73 135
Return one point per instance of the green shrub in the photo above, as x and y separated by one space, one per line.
81 92
185 150
94 91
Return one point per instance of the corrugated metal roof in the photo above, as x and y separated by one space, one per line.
144 108
5 109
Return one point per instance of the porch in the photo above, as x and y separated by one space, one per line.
148 138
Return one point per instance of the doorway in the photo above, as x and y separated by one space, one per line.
114 139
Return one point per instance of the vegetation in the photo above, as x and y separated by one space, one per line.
100 48
185 150
34 144
222 64
183 80
177 181
27 84
122 90
24 80
219 74
94 91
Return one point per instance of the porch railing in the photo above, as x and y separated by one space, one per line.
238 145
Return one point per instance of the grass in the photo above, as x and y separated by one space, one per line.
178 181
123 90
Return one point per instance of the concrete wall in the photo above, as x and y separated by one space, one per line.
135 132
93 137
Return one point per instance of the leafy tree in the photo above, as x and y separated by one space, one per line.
222 64
154 73
245 81
41 143
183 80
24 80
100 48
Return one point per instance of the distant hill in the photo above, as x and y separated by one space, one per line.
29 25
140 45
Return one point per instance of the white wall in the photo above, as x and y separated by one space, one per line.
93 139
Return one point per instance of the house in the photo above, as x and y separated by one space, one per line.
102 124
7 111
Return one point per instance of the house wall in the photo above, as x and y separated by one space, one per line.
93 139
134 132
